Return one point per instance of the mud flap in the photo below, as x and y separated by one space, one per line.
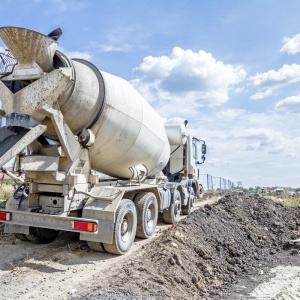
14 228
12 143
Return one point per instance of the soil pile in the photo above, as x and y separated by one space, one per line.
204 255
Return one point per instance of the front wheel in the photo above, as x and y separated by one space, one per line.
171 215
125 228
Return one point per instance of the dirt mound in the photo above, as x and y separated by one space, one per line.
208 252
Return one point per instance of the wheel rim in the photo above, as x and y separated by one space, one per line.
126 227
177 208
150 215
192 198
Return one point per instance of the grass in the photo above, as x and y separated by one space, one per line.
5 191
291 201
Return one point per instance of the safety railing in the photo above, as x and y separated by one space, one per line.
216 184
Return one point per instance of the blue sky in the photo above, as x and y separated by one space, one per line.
230 67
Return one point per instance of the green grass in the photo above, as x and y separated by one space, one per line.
8 181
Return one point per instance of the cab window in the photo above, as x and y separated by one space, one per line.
195 150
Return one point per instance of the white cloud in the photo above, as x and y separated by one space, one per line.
76 54
257 133
286 75
186 79
112 48
174 120
272 80
289 104
261 95
217 162
239 90
256 144
255 139
230 114
67 5
291 44
117 39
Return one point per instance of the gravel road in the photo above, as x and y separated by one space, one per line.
233 249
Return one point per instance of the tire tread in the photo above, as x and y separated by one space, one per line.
96 246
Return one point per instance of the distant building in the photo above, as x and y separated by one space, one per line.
282 190
289 190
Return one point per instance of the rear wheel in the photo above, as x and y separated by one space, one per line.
171 215
96 246
21 236
125 228
147 214
41 235
189 208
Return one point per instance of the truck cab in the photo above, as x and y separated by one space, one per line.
186 156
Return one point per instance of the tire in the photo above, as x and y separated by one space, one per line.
189 208
147 214
171 215
42 235
125 228
96 246
21 236
186 210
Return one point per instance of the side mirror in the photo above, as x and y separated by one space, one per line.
203 160
203 150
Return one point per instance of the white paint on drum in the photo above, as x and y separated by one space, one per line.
128 132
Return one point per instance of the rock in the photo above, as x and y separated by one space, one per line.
179 236
177 279
264 237
176 256
208 206
272 251
179 262
251 237
231 249
200 251
207 271
294 252
200 287
230 260
72 291
174 245
172 261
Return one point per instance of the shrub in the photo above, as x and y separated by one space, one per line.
5 191
292 201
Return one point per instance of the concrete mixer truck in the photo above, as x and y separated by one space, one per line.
65 122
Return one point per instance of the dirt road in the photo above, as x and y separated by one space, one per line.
60 269
222 251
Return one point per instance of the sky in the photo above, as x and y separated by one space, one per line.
231 68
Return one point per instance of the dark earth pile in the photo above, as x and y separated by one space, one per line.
206 254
